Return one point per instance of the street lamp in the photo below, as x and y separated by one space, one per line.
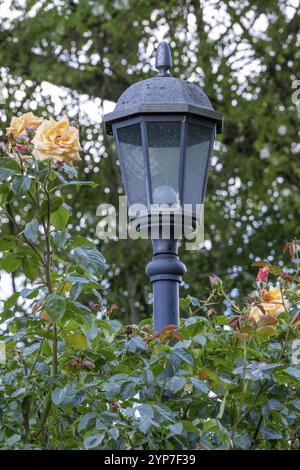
164 130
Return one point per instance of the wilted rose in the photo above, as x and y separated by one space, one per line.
45 317
128 329
291 247
57 141
77 363
96 307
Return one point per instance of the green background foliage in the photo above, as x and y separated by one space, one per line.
243 53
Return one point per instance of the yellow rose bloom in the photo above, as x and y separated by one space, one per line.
18 125
58 141
272 302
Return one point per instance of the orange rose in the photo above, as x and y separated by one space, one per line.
18 125
272 303
58 141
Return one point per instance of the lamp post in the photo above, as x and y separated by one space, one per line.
164 130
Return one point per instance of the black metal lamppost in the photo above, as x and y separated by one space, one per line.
164 130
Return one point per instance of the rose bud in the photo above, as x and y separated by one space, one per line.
21 148
211 313
96 307
214 280
114 406
263 274
128 329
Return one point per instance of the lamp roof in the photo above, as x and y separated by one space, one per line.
163 94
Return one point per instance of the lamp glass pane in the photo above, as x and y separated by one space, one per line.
198 144
164 151
133 163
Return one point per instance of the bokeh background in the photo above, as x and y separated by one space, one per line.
75 58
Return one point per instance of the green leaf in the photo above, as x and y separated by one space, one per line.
146 410
21 185
175 429
221 320
8 243
30 349
12 440
31 231
145 424
243 441
30 267
114 432
29 293
200 339
261 264
78 341
270 433
275 270
55 203
11 301
53 175
8 167
90 259
188 426
60 239
194 301
175 384
293 372
9 264
84 421
63 396
266 331
75 291
93 440
184 302
60 217
222 406
92 184
80 240
55 306
296 404
200 385
71 171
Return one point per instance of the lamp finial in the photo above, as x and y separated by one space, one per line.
163 59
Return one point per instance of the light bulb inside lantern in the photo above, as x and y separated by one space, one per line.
165 194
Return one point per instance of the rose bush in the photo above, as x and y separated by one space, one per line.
76 378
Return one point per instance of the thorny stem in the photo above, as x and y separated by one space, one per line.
233 305
245 366
287 335
46 226
206 303
12 219
261 388
37 355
